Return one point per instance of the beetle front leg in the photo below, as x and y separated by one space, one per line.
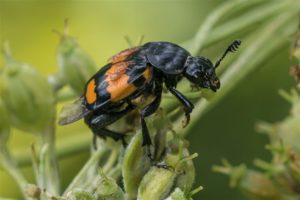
188 106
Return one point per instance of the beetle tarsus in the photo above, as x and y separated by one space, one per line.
163 166
186 120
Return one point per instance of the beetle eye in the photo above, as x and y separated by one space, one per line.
189 60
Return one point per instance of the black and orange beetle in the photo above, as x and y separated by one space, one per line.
141 72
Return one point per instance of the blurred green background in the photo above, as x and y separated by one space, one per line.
100 26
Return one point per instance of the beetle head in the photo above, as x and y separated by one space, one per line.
201 72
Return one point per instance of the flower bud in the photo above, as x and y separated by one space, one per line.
252 183
178 194
80 195
75 65
28 97
135 165
285 132
178 171
108 189
157 183
258 187
288 133
181 161
185 180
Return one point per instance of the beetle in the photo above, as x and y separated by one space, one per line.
140 72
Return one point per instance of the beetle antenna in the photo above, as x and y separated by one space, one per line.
231 48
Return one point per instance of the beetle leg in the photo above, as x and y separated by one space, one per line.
147 111
188 106
115 135
97 123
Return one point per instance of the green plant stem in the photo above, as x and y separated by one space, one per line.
8 163
65 148
56 81
196 190
82 175
35 164
113 156
242 66
49 173
205 29
7 53
247 22
65 94
115 172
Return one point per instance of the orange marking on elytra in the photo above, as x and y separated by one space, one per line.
147 73
123 55
117 80
90 94
116 71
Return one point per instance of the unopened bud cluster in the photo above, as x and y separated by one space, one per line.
278 179
26 96
171 177
75 65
